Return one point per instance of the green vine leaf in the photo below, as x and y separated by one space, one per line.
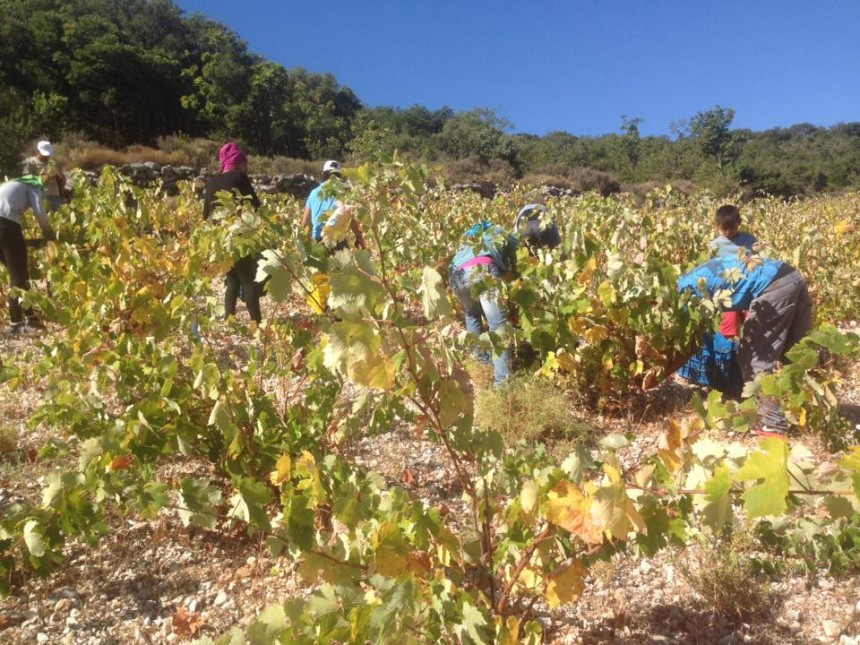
770 467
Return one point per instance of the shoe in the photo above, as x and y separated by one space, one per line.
764 432
36 323
26 329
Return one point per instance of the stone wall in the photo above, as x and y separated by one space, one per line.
149 174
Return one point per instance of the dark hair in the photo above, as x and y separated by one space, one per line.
728 217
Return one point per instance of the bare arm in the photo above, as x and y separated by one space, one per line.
306 218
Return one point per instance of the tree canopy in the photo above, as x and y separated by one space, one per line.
123 72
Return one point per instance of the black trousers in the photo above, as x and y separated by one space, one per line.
13 254
243 273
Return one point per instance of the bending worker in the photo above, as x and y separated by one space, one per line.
487 255
780 314
16 197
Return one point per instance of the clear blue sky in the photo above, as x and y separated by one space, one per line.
575 66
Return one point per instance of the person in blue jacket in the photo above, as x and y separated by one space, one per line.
780 314
487 255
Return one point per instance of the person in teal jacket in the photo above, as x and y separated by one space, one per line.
780 314
488 254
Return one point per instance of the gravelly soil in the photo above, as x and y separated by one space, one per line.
158 582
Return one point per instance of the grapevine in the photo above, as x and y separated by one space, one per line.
133 382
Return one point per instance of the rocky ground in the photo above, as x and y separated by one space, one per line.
158 582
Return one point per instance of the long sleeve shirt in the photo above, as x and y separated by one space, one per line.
233 180
490 240
16 198
730 272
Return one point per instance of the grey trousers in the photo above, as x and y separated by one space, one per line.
777 319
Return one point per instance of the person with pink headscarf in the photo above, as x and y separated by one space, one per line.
234 177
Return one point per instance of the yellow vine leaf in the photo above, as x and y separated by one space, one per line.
529 495
565 361
615 513
596 334
568 508
670 444
566 584
392 552
843 226
281 473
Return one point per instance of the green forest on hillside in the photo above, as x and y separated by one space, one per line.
123 72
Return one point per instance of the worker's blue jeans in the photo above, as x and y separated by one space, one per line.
485 306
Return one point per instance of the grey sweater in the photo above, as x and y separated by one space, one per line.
16 198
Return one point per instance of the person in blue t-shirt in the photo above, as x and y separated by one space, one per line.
321 203
731 242
487 255
780 314
731 239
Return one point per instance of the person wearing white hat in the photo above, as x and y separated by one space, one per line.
321 203
535 228
44 165
325 212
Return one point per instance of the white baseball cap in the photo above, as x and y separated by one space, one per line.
331 166
45 148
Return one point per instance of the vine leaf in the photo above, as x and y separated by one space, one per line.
568 508
671 444
355 348
852 464
281 473
198 499
354 291
613 509
473 622
33 539
433 295
281 285
454 403
391 551
566 584
269 624
250 501
770 467
529 495
186 624
718 510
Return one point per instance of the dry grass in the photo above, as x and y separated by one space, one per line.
580 180
724 578
529 410
95 156
198 153
75 151
286 166
8 440
472 169
640 191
